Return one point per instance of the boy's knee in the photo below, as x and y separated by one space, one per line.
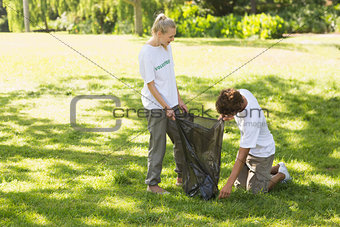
258 187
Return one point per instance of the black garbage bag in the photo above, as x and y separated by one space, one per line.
202 142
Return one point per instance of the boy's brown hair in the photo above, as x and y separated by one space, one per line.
230 102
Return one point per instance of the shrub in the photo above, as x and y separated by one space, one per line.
314 18
337 25
4 24
61 23
3 19
229 29
261 26
195 22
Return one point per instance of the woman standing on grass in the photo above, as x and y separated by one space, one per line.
161 100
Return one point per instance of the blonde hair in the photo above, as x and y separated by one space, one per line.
162 23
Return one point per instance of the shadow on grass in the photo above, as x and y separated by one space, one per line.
115 193
124 204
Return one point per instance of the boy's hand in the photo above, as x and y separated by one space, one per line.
225 117
225 192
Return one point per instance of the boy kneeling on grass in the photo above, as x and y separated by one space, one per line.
253 166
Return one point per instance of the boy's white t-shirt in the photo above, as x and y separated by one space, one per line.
253 127
156 64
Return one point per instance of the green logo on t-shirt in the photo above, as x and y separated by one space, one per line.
162 65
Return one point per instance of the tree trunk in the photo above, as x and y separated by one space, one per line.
43 4
253 6
46 24
137 4
26 16
138 18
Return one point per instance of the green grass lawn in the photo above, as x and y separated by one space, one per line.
52 175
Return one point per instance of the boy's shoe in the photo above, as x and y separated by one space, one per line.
283 169
157 190
179 182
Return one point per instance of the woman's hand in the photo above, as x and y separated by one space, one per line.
182 106
170 113
226 117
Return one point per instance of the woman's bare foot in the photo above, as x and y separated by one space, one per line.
157 190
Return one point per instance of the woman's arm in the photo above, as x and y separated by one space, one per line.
169 112
181 104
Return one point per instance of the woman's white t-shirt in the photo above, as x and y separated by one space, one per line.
254 130
156 64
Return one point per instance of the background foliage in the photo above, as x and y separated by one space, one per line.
199 18
192 22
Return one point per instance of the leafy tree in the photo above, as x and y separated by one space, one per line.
44 15
137 5
218 7
15 15
3 18
253 6
125 16
38 13
151 9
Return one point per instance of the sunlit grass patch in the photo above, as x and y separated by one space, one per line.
51 174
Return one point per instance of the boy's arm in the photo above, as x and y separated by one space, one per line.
239 163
